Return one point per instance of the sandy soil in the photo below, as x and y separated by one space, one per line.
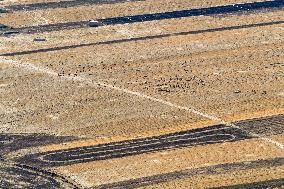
49 16
110 170
231 70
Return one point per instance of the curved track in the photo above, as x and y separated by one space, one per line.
22 176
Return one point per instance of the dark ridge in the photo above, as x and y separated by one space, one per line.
202 136
226 9
216 169
62 4
142 38
276 183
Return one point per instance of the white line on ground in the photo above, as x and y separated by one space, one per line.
33 67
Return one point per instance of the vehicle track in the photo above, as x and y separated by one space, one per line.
201 136
226 9
141 38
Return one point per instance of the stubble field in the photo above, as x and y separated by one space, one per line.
164 94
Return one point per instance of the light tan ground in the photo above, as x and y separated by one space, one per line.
109 171
227 179
212 68
232 75
48 16
108 33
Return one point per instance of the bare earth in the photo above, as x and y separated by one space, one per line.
191 102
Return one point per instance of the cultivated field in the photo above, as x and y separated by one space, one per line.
162 94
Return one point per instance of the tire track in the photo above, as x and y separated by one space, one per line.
117 41
226 9
202 136
187 173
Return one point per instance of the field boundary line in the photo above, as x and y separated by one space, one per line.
33 67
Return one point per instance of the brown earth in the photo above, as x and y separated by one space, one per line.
104 93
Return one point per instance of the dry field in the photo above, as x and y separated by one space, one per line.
162 94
